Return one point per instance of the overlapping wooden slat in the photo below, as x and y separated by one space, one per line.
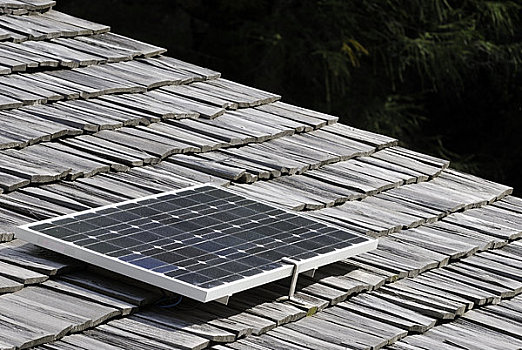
341 335
301 115
78 22
36 315
60 286
89 282
35 258
48 25
115 42
67 57
77 341
164 334
24 6
170 63
188 323
429 238
279 313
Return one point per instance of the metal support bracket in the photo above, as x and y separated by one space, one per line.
223 300
295 275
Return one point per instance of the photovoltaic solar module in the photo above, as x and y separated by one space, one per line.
203 242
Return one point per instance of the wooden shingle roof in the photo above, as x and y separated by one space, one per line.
89 118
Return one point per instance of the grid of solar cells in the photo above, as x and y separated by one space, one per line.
206 236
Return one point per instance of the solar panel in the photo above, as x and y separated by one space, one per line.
203 242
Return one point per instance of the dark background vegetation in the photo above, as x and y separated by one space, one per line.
443 76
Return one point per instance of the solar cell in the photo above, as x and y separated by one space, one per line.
204 242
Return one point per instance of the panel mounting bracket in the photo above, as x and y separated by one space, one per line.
295 275
223 300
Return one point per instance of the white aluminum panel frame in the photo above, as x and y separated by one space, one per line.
171 284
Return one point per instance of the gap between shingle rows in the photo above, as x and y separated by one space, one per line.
451 261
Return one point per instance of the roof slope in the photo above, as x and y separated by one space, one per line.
90 118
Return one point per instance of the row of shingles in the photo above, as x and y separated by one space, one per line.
207 97
285 153
292 155
21 7
68 53
116 78
45 26
411 305
494 327
124 77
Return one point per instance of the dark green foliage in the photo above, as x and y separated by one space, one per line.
442 76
